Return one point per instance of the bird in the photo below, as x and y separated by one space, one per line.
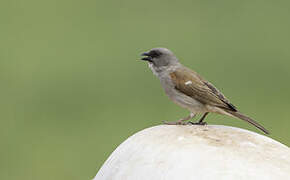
189 90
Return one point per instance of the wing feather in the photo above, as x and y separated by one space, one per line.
199 89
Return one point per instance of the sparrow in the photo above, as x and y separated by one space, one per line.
189 90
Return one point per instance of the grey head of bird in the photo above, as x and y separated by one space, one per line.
160 58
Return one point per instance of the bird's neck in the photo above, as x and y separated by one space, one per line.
164 69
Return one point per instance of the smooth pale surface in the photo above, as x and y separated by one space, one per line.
169 152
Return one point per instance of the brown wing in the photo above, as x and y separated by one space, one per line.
191 84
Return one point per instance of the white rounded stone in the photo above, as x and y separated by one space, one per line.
169 152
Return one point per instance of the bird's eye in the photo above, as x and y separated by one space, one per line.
155 54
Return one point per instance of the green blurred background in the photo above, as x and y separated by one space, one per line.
73 88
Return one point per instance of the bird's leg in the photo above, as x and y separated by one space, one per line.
181 121
200 122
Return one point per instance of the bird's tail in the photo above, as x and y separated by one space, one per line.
247 119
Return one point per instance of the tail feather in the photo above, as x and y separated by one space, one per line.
248 119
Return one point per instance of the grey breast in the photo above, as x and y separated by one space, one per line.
178 97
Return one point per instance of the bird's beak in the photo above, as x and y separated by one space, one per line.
147 58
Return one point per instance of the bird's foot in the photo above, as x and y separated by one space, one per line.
179 122
202 123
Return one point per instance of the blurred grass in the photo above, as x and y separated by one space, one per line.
72 87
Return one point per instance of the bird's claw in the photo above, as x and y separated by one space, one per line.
175 123
197 123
